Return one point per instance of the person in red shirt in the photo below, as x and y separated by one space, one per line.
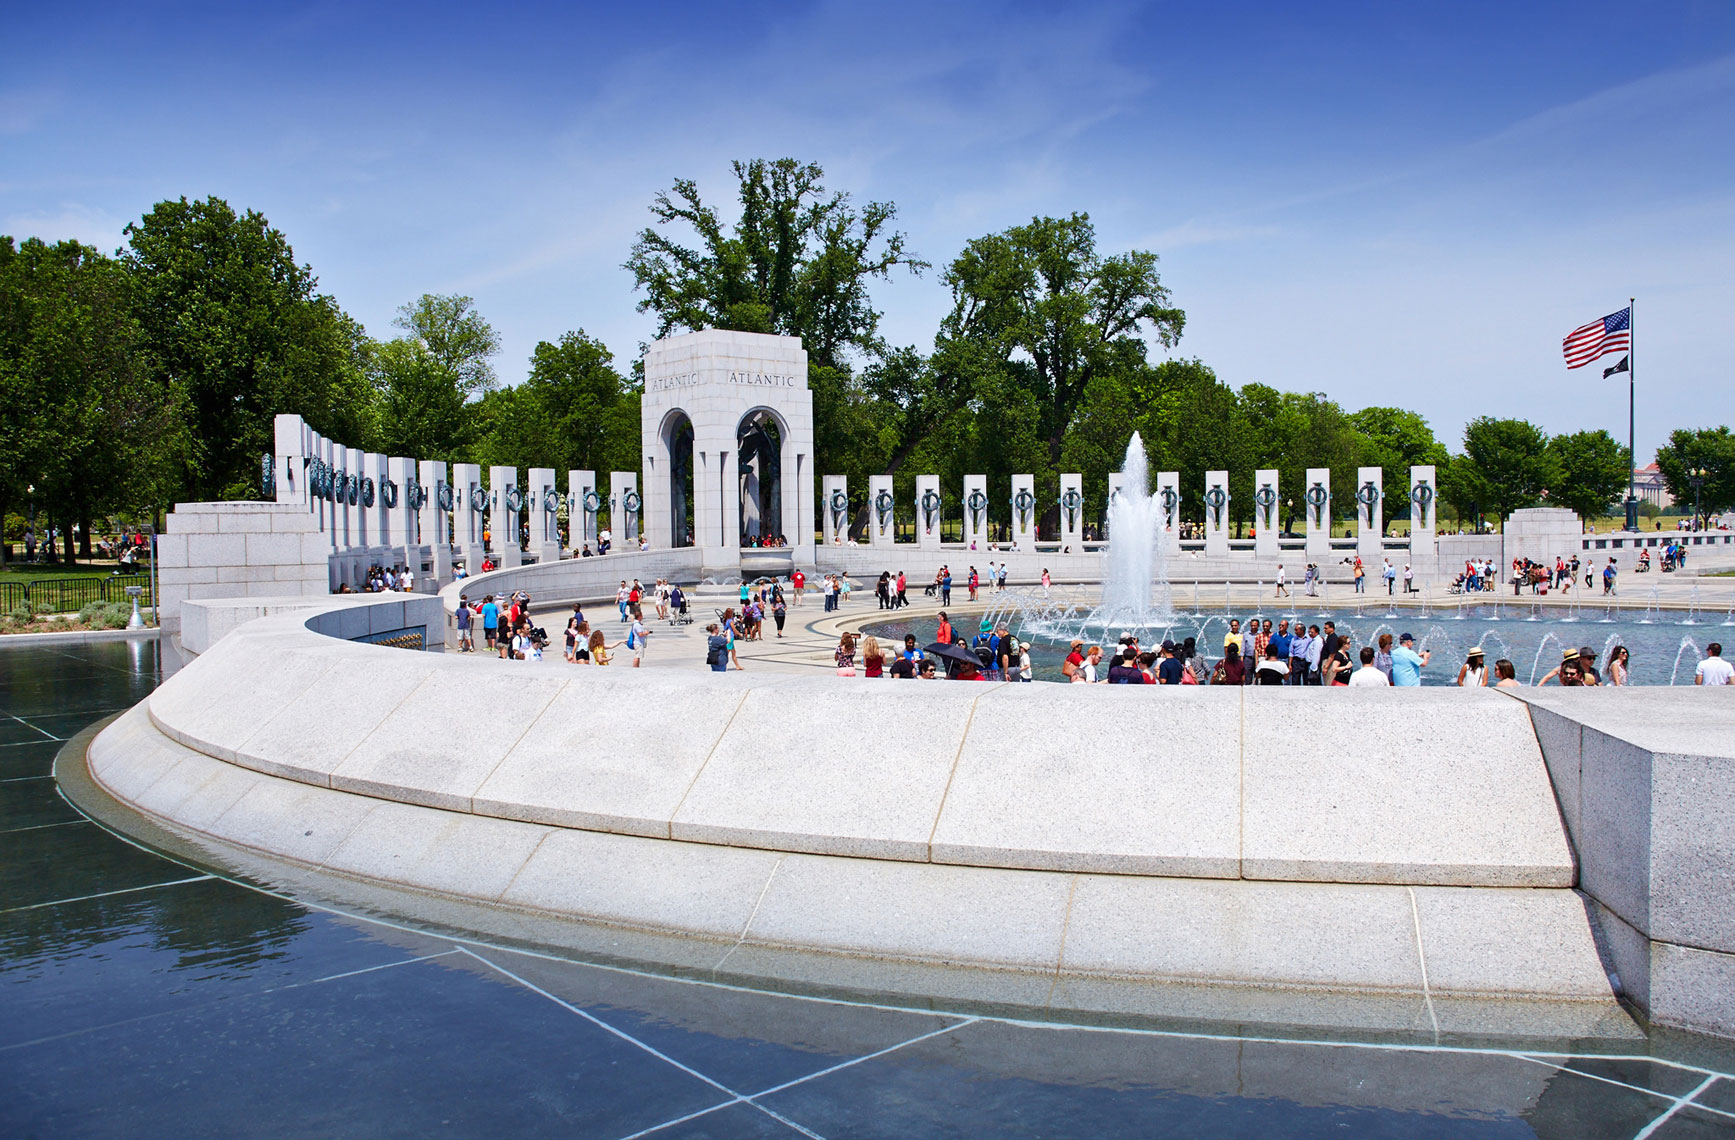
943 635
1074 659
797 580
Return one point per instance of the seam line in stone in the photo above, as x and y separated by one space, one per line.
669 824
1241 794
414 689
969 719
1422 961
1060 958
470 800
753 914
347 836
513 881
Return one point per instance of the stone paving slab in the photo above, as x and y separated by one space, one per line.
445 738
612 753
840 770
1360 790
1283 934
1135 788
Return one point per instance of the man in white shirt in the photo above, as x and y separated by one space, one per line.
1369 673
636 637
1713 670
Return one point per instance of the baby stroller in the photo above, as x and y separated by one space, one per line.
679 612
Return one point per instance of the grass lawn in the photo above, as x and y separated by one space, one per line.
22 571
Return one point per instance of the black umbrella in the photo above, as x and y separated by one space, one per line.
956 654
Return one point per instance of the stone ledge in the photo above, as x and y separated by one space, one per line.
1298 953
1038 777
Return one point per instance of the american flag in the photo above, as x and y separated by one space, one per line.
1612 333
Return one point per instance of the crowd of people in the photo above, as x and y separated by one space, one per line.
1261 654
382 579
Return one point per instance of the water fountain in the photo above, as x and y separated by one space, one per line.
1693 615
1686 644
1541 648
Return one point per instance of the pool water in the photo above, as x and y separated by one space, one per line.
147 997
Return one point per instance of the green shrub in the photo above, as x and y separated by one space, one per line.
106 615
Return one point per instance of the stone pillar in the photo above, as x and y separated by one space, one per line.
543 502
431 522
930 511
1369 515
328 519
1424 493
503 492
975 512
799 506
379 516
582 503
1026 512
1169 510
1216 514
834 490
623 521
1267 513
1316 497
289 459
358 550
881 512
469 501
1072 513
403 521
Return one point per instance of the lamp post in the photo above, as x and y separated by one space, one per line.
1288 513
1697 478
31 491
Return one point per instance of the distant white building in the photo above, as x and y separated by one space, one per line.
1648 485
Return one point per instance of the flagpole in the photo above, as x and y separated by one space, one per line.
1632 397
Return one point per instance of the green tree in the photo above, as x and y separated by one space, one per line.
1296 431
422 409
455 337
1041 292
81 419
1396 440
235 326
1693 449
574 412
796 263
1590 472
1507 465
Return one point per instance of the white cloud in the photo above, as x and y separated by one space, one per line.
71 220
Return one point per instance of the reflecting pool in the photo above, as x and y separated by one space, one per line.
143 996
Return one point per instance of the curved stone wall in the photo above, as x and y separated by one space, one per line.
1213 854
1210 782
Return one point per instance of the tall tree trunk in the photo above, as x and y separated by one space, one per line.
84 534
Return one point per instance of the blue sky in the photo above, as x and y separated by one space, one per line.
1389 203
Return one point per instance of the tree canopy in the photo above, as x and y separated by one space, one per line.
234 325
1711 450
797 262
131 381
1041 292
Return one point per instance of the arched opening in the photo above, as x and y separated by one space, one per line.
678 439
759 445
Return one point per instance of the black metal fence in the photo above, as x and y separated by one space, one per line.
67 595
